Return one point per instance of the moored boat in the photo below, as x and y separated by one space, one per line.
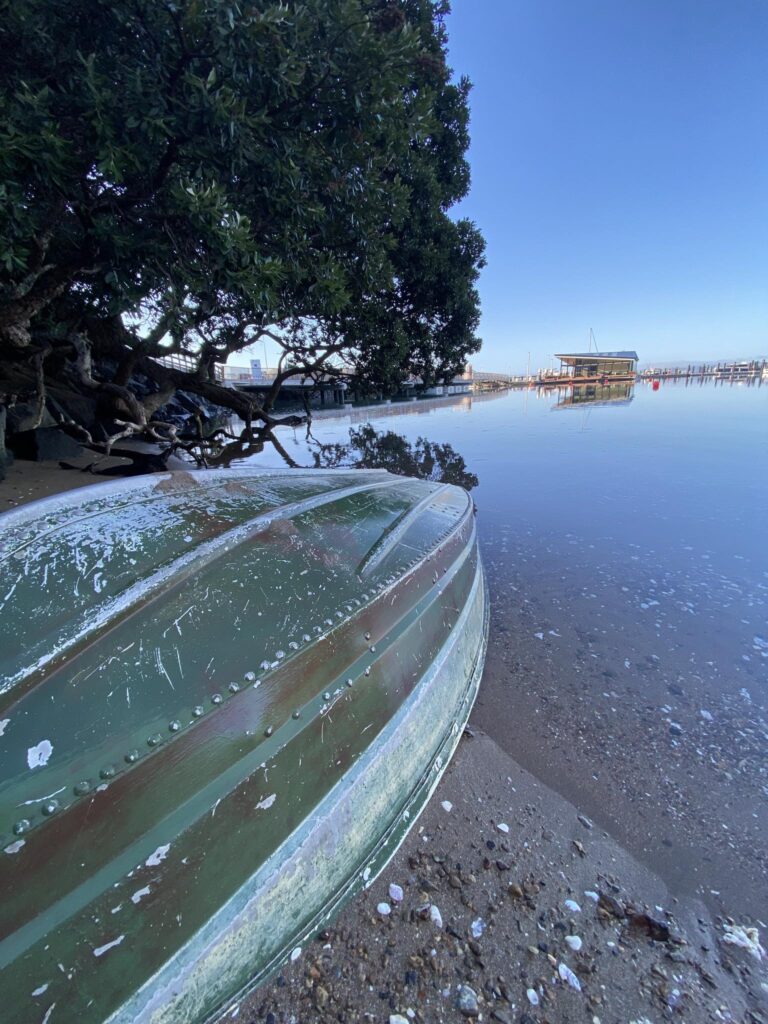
224 698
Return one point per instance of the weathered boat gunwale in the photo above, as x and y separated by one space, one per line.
165 1010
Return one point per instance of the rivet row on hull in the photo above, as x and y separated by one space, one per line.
224 698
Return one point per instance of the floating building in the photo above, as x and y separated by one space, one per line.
597 366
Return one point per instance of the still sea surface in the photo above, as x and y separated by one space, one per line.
625 539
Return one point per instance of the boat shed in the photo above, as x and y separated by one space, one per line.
598 365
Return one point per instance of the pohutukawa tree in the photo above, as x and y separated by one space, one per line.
185 178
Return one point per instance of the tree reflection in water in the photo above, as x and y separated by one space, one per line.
369 448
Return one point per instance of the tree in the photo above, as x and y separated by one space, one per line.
183 178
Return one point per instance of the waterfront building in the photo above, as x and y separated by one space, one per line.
597 366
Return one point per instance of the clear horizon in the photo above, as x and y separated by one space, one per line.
619 176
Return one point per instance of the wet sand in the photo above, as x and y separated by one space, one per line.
498 854
637 691
29 481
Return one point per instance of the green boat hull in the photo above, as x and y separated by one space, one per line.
225 697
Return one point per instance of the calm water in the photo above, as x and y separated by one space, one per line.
626 546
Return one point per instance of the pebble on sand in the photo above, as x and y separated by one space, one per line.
503 827
384 909
567 974
396 893
435 916
447 806
467 1002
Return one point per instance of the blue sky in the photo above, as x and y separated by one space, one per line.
619 174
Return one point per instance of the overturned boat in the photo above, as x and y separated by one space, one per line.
225 697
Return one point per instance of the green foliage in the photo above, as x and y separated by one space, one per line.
183 176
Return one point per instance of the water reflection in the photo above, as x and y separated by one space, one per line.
368 448
595 394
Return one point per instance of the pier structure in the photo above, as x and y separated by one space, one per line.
739 370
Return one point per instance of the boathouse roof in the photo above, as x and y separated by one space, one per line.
597 355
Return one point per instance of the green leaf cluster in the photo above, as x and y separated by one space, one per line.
182 175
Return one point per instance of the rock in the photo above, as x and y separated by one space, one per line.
467 1002
447 806
574 942
384 909
533 996
5 456
398 1018
573 906
584 821
567 975
44 443
435 916
610 906
396 893
675 729
24 417
656 930
321 997
501 1016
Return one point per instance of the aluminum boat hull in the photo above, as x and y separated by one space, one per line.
224 699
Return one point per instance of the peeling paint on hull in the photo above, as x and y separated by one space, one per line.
279 784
